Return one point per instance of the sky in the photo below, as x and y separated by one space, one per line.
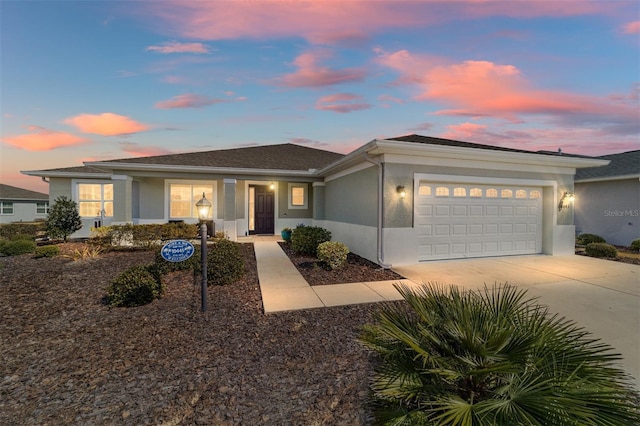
100 80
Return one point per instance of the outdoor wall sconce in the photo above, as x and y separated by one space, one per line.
401 191
566 200
272 186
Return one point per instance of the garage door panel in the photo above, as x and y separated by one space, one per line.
496 220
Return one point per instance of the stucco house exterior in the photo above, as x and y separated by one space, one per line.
608 199
394 201
22 205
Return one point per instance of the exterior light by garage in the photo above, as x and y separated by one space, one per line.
566 200
401 191
203 205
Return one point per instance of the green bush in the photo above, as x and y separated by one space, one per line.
584 239
28 237
635 245
142 235
136 286
10 230
46 251
305 239
601 250
17 247
165 266
491 357
225 264
333 253
63 218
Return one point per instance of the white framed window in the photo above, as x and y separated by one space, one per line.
95 199
459 192
521 193
183 196
298 195
442 191
42 207
6 207
424 190
475 192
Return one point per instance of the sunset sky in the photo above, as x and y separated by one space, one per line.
96 80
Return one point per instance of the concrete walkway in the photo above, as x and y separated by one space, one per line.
284 289
599 295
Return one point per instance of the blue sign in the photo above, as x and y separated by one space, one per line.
177 250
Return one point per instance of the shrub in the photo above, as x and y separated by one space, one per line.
85 253
17 247
28 237
635 245
136 286
10 230
225 264
149 235
46 251
63 218
333 253
491 357
585 239
305 239
601 250
164 266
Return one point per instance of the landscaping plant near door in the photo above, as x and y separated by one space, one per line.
491 357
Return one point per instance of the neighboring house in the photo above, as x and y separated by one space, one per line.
607 199
22 205
393 201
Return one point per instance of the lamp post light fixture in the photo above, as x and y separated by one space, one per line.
203 205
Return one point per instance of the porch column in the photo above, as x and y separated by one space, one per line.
230 226
122 198
318 201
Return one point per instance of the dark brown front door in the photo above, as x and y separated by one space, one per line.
263 210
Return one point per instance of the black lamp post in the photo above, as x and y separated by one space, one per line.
203 205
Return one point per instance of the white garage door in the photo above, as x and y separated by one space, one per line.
456 221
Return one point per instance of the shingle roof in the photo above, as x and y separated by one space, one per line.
8 192
428 140
622 164
76 169
273 157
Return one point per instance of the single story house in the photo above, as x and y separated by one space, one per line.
22 205
393 201
608 199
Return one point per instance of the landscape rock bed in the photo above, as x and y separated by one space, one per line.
356 270
67 358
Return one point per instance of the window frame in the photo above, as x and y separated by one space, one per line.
7 205
305 195
102 201
46 207
194 198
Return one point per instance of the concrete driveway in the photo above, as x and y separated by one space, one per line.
600 295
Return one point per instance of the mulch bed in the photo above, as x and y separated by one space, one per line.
66 358
357 269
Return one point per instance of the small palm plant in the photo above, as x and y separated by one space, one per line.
491 357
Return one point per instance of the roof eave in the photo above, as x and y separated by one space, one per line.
607 178
201 169
63 174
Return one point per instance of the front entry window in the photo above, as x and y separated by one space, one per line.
183 198
95 199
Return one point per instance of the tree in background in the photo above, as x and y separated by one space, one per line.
63 219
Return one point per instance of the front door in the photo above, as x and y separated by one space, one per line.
263 210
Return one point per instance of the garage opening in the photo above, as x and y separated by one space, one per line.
465 220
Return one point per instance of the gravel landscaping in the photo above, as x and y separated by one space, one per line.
67 358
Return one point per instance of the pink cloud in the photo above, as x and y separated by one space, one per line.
106 124
310 74
324 22
42 139
632 28
138 150
483 88
342 103
188 100
176 47
583 141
